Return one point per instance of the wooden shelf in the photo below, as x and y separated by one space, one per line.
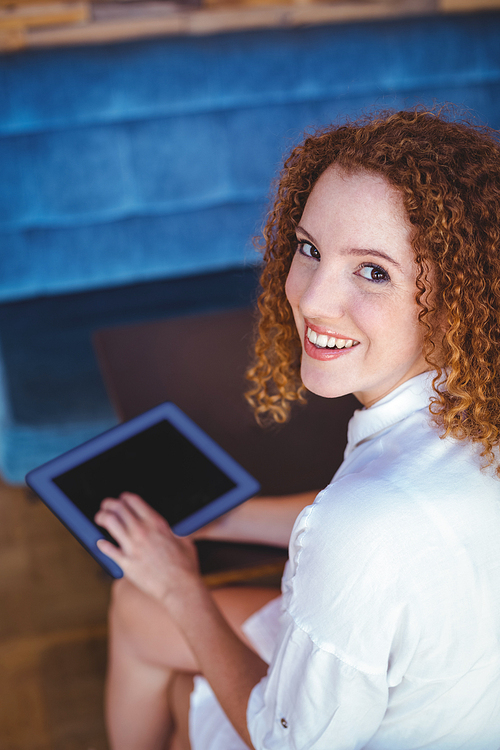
36 24
18 19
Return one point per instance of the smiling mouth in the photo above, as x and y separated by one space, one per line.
322 341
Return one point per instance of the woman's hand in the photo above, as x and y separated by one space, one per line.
149 553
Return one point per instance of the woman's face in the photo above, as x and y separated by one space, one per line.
352 289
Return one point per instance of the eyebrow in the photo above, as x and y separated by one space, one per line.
355 251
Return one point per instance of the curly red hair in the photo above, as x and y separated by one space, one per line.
448 174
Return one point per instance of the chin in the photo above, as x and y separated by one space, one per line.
323 385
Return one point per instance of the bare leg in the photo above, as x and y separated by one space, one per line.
145 648
179 695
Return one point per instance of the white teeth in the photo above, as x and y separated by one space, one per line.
322 340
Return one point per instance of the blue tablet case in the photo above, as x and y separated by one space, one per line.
161 455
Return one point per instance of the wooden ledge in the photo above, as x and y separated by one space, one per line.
35 24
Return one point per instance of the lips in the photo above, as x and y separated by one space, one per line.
323 341
321 346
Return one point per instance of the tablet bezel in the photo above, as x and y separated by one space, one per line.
41 479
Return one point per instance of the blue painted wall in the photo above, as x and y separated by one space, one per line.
136 163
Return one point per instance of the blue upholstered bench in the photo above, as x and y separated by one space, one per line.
134 175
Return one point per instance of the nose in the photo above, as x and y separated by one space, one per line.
323 297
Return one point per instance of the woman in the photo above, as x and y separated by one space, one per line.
382 279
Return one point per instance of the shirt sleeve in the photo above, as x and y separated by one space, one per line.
312 700
337 654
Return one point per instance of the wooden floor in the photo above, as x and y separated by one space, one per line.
53 603
53 607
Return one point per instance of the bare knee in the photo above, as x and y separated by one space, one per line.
127 626
128 609
143 627
125 599
140 626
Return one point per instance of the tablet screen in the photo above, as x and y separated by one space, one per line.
159 464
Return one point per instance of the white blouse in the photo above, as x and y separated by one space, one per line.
389 636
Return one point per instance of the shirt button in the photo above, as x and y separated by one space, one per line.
284 723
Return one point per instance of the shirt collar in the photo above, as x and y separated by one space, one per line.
404 400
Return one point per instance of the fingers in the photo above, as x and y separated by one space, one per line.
137 505
116 513
149 553
128 508
128 518
108 549
119 520
140 509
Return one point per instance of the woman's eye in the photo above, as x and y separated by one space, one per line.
305 248
373 273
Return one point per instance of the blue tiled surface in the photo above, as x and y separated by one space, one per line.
152 160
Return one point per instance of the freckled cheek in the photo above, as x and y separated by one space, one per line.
382 325
367 312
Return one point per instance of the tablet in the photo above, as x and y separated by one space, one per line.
161 455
